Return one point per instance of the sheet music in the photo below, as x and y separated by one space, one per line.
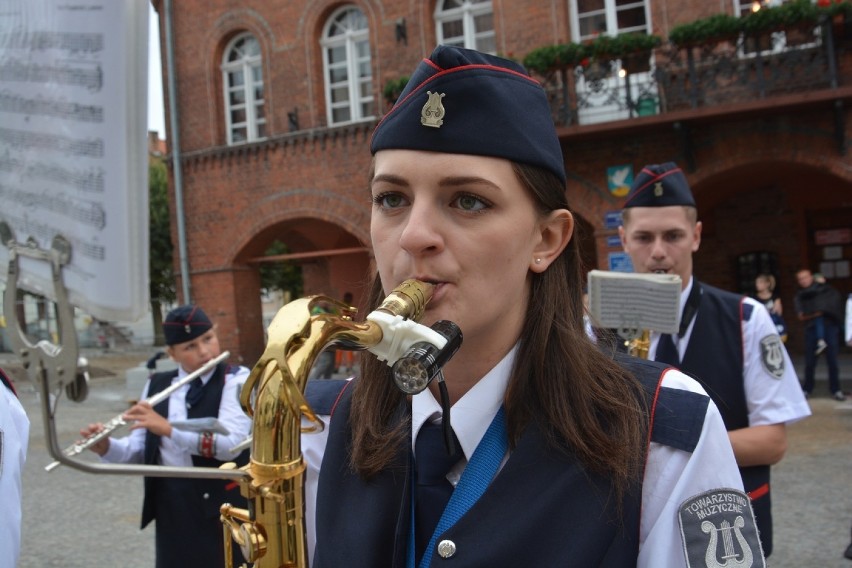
635 302
73 146
208 424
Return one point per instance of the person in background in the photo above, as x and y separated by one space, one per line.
726 341
14 439
818 322
542 451
817 304
764 285
186 511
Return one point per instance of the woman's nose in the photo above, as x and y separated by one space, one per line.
422 232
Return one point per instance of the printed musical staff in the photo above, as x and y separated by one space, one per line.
88 75
73 43
33 227
89 180
20 139
39 106
83 211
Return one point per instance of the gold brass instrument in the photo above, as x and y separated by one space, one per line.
639 346
271 532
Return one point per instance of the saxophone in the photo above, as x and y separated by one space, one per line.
271 532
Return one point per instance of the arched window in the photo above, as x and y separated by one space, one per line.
466 23
347 66
242 76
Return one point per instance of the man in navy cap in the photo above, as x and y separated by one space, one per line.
728 342
188 530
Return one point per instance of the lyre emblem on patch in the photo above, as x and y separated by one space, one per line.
187 328
718 530
658 189
772 355
433 111
730 556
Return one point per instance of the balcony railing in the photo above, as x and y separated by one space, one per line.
682 78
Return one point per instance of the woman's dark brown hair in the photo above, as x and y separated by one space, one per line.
583 401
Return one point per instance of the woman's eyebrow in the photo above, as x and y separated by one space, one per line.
388 178
466 180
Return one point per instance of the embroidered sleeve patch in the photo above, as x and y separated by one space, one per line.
719 531
772 355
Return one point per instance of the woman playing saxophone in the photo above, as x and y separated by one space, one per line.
552 450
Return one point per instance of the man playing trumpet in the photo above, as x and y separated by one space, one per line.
197 425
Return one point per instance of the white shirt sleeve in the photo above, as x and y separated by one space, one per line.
672 476
130 448
847 336
772 389
14 439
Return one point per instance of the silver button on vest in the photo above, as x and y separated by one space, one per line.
446 548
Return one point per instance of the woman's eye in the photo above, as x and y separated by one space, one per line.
389 200
470 203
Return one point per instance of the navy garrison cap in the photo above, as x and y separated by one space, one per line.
185 324
461 101
660 186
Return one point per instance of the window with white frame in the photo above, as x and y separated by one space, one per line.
770 43
603 95
348 67
242 76
610 17
466 23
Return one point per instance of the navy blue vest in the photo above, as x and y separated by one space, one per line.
544 505
714 357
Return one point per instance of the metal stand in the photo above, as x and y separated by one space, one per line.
54 368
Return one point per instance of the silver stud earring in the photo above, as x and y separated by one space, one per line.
538 261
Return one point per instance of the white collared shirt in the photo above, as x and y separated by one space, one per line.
471 415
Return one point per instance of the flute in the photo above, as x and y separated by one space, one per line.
119 421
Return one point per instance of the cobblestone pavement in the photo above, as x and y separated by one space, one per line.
74 519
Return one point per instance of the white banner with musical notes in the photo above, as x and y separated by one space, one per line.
73 146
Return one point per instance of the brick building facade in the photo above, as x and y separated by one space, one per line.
287 157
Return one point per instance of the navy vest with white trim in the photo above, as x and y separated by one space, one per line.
365 524
715 358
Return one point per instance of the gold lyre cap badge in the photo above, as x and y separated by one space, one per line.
658 189
432 114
